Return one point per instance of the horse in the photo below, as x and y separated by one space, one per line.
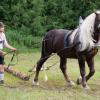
79 44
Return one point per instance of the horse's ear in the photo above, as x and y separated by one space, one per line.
97 12
80 20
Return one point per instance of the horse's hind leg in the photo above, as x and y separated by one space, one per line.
39 65
63 69
45 54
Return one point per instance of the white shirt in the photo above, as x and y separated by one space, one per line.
3 41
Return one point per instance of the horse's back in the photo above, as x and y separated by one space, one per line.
55 39
56 33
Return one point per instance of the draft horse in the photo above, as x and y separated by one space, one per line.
79 44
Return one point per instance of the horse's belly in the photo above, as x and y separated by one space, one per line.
68 54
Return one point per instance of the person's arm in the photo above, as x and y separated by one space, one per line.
10 47
7 45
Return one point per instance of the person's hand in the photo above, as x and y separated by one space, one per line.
14 49
2 53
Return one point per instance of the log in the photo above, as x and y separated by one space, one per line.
17 74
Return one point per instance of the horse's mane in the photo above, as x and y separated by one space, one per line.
86 31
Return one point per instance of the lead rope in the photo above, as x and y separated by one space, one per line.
46 78
14 54
60 51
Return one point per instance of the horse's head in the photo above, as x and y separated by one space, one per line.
97 27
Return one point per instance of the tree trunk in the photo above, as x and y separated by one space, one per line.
17 74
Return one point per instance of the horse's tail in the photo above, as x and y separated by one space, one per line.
47 45
44 44
43 47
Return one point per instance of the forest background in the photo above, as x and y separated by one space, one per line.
27 21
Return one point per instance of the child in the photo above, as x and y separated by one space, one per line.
3 43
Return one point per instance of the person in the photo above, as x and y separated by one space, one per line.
3 43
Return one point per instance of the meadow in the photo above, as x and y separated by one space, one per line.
26 23
55 88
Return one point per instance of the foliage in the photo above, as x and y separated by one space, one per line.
20 40
36 17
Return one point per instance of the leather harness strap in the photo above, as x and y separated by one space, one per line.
66 38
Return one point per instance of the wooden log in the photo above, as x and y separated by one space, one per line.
17 74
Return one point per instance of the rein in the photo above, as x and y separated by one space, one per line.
48 67
31 70
15 54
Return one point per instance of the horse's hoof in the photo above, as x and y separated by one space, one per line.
86 87
71 83
34 83
79 80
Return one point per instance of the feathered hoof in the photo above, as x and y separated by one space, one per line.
71 83
34 83
79 81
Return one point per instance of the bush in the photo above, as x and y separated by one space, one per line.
19 39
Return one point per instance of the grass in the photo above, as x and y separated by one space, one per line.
26 40
55 88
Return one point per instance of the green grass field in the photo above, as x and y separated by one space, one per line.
53 89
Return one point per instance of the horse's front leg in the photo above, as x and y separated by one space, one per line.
81 60
90 62
63 69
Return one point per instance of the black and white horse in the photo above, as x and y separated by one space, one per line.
79 44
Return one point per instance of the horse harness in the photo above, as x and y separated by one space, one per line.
67 38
